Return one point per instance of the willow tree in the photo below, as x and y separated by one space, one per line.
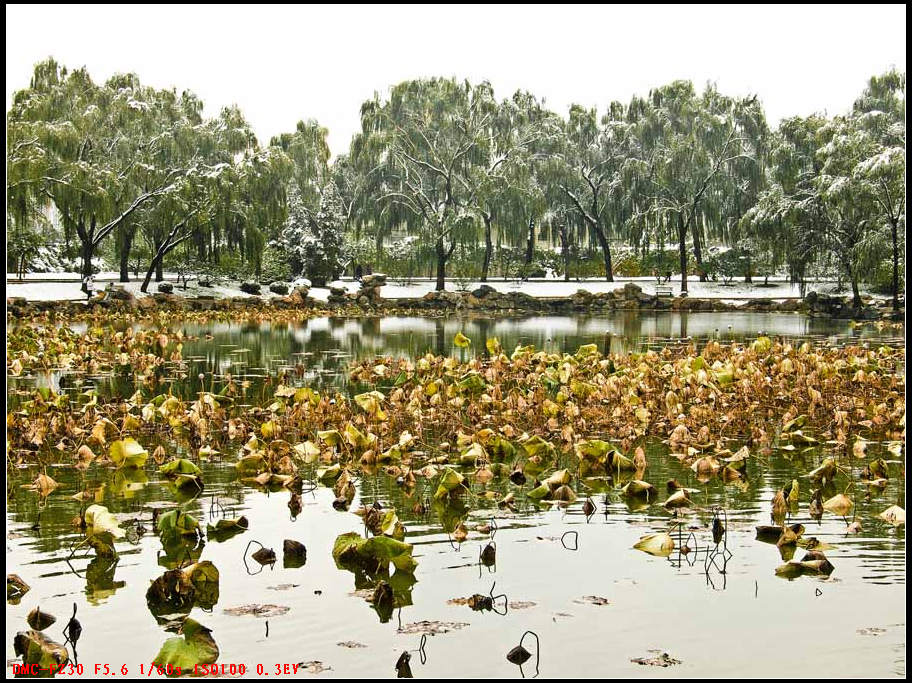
836 188
878 148
430 133
858 229
229 184
501 187
689 144
309 151
785 220
563 223
86 148
594 172
352 194
735 191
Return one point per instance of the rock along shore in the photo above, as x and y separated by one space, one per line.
484 299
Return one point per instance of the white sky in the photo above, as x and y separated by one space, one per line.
281 64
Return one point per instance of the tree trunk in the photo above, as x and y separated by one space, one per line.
87 252
125 266
126 244
489 248
698 250
441 267
856 295
895 238
853 280
606 251
148 278
682 252
156 265
530 243
565 251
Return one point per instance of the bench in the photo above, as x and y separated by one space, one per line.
664 291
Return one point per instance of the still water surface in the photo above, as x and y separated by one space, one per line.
720 614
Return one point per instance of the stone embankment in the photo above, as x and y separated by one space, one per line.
484 299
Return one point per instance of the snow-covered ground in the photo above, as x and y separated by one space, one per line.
559 288
66 286
70 290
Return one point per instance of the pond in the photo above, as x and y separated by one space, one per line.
318 351
569 574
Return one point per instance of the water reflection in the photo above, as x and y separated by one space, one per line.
533 551
318 351
536 557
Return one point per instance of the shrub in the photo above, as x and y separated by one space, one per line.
660 263
275 265
628 265
727 264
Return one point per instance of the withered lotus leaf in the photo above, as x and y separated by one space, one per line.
659 544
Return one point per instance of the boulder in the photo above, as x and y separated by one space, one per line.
165 287
163 299
483 291
338 295
789 305
202 303
378 279
120 293
443 298
581 298
632 291
278 288
823 304
204 282
250 288
523 300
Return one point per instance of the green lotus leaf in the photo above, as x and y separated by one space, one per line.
195 647
128 453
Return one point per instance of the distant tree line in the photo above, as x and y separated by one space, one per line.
444 178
